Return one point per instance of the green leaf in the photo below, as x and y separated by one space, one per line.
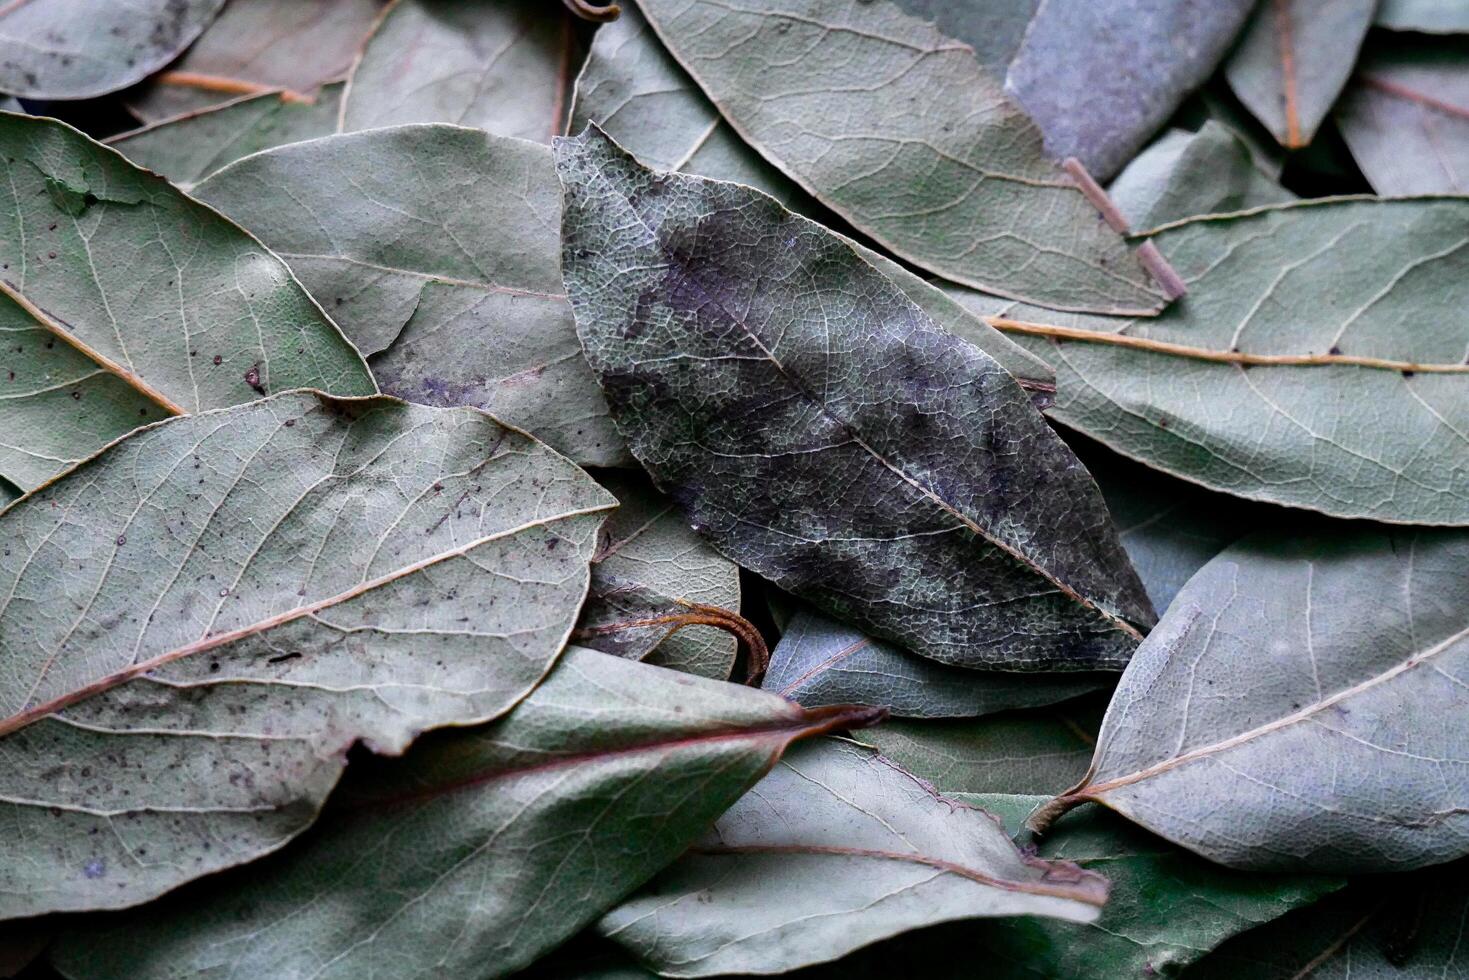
648 563
1329 329
993 28
1425 16
962 527
127 302
198 623
438 250
504 66
1405 117
481 849
1100 79
635 92
256 46
188 148
1300 707
79 49
819 661
837 848
828 95
1293 60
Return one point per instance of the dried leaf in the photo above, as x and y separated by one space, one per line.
481 849
961 527
993 28
1427 16
200 621
835 849
122 302
1299 706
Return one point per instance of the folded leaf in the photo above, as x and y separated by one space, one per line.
819 661
79 49
1101 76
835 849
481 849
829 93
1293 60
1329 329
122 302
1300 707
649 566
200 621
1426 16
503 66
438 250
897 476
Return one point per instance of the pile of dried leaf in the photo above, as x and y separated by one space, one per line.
805 487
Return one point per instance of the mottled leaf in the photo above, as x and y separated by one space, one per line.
1100 77
505 66
993 28
1426 16
481 849
78 49
818 662
1405 116
647 563
437 249
897 476
1329 330
827 93
634 90
1293 60
190 147
1301 706
200 621
122 301
258 46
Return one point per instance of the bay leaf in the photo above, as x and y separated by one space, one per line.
961 527
78 49
258 46
437 248
1294 58
198 622
648 564
1295 707
1329 328
1405 116
826 93
993 28
505 66
1183 174
837 848
122 301
1100 77
1043 750
634 91
1425 16
190 147
819 661
481 849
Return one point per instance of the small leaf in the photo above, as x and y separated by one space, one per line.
837 848
1293 60
961 527
123 302
201 620
481 849
830 96
80 49
1295 707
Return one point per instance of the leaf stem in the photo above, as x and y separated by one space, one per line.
700 615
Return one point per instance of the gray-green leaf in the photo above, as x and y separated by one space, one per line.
830 94
993 28
897 476
1301 706
1426 16
482 849
200 621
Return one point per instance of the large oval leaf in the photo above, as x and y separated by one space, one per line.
197 623
480 850
1301 706
960 526
123 301
829 94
